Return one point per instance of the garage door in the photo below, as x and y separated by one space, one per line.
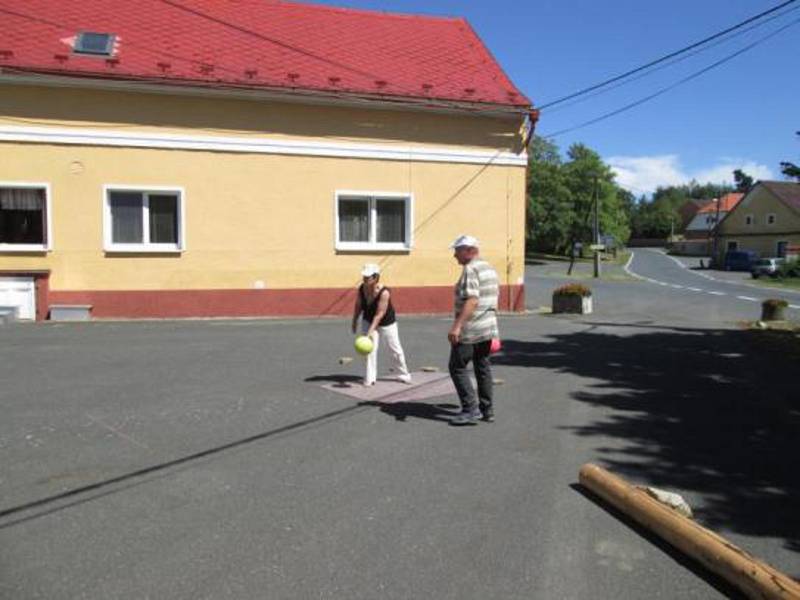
19 293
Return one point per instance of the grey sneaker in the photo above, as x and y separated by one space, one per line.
488 416
466 418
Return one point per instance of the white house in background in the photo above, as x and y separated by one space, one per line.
706 219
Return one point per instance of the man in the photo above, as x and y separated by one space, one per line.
474 327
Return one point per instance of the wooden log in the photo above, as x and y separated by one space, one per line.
752 576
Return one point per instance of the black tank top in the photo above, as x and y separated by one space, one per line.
369 310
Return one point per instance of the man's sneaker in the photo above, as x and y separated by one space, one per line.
488 417
466 418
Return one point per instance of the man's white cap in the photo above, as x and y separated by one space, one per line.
370 269
465 240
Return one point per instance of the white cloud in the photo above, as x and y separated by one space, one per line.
723 173
643 174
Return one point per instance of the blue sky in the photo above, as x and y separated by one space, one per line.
742 114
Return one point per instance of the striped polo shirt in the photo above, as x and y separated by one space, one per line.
478 280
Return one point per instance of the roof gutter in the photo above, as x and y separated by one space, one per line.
17 76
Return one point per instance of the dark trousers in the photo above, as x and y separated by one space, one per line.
460 357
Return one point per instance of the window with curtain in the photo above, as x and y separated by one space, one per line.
144 220
390 220
23 216
354 220
373 222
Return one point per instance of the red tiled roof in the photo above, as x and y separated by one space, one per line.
726 203
787 191
259 44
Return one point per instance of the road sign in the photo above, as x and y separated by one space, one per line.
597 247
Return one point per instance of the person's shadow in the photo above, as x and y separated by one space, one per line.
342 381
419 410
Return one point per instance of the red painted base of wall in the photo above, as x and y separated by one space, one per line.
320 302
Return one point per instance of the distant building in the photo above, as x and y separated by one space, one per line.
712 212
766 221
688 210
246 158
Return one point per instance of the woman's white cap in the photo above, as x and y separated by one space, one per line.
370 269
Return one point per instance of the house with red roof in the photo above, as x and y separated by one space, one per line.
766 221
185 158
702 225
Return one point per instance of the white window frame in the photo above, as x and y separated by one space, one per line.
749 220
48 213
773 217
145 247
371 197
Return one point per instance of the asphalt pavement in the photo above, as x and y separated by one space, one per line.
236 458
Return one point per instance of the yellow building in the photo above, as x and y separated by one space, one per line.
766 221
227 166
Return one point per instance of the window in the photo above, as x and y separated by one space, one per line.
749 220
24 217
143 221
733 246
370 221
780 249
771 218
99 44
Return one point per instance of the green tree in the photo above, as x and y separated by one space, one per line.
742 180
790 169
550 208
561 198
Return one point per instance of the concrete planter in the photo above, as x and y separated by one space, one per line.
70 312
773 311
581 305
8 314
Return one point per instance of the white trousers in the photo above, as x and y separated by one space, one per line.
391 336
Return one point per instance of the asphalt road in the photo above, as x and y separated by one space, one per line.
662 289
206 459
685 277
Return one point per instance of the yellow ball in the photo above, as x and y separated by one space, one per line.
363 345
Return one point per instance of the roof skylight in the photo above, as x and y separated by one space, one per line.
99 44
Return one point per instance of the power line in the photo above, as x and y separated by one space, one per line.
694 75
676 60
666 57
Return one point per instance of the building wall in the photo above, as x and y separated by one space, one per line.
759 236
702 224
259 227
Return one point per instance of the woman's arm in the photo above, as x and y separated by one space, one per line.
383 306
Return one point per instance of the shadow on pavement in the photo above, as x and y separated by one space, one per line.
418 410
99 489
718 583
336 379
715 413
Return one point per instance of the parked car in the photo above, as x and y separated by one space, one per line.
766 266
739 260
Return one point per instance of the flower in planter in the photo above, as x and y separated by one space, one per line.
572 298
573 289
772 309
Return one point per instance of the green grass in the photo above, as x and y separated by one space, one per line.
529 256
790 283
622 258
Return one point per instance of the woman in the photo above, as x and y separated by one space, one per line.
374 304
